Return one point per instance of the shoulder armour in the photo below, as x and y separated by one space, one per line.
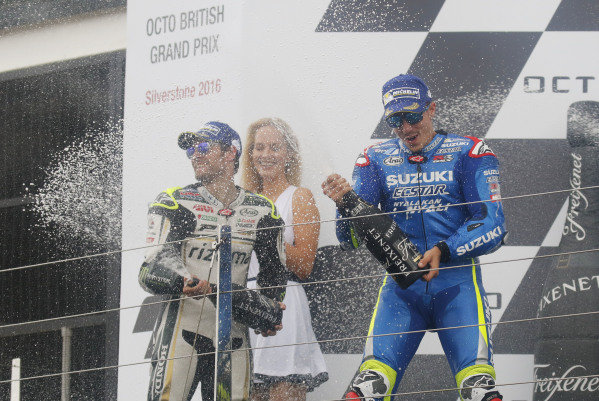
167 199
363 158
252 199
480 148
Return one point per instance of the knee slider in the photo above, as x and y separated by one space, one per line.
477 383
375 380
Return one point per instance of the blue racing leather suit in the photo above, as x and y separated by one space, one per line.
421 187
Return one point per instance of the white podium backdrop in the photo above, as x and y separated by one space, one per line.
320 66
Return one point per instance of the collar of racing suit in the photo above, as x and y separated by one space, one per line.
432 145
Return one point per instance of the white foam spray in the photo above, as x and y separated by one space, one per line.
81 194
470 113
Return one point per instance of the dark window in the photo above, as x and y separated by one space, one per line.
44 109
19 13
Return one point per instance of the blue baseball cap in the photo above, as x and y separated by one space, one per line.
405 94
213 131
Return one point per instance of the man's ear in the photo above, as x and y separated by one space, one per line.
432 108
232 153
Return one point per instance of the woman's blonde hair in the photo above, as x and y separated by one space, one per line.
251 180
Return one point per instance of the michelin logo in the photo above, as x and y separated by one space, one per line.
483 239
405 92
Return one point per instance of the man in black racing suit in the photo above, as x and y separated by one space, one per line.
182 270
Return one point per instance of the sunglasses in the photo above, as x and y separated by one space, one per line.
202 147
397 119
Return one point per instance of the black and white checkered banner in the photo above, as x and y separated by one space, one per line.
521 73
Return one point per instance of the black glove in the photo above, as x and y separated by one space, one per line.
253 309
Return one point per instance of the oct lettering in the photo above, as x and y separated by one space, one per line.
559 84
160 25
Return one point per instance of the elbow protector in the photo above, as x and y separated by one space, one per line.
253 309
159 279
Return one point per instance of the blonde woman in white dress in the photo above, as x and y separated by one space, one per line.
271 165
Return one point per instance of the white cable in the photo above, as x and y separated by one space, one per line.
323 281
304 343
292 285
423 270
95 255
289 225
531 319
416 209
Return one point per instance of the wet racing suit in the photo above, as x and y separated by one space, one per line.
192 212
451 169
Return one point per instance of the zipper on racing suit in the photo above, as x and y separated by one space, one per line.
419 170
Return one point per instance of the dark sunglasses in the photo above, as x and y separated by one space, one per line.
202 147
397 119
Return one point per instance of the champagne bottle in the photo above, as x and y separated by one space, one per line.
569 347
384 239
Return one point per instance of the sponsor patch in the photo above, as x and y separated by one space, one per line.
454 142
192 194
158 379
442 158
474 226
477 242
248 212
400 93
152 225
423 190
432 145
203 208
226 212
204 227
449 150
421 206
415 178
417 159
393 161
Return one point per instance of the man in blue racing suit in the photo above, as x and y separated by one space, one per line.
445 190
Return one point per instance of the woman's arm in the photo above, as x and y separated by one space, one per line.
301 254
